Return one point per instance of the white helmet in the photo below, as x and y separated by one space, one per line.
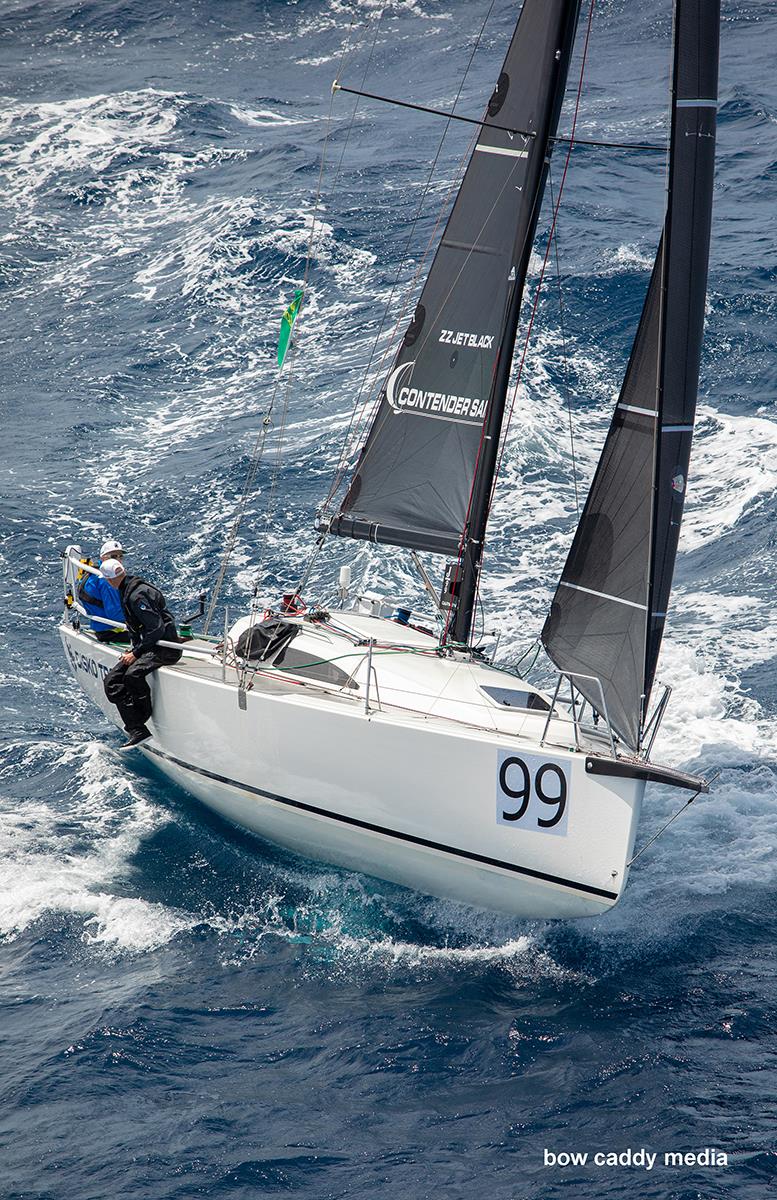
112 569
111 547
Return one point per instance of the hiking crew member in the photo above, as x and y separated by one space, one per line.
96 595
149 621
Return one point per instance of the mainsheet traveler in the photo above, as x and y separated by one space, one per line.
149 621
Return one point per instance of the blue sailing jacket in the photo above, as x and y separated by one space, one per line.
99 598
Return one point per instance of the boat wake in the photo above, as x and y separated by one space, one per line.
76 867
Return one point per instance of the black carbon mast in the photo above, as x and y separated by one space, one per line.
608 614
424 477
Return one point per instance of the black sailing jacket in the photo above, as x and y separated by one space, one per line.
147 616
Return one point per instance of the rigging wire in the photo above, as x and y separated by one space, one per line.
351 436
275 475
435 112
708 784
441 112
253 467
258 449
308 261
356 102
543 269
356 425
564 352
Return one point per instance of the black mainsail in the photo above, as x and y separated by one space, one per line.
608 614
431 449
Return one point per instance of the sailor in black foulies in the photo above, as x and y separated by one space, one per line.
149 621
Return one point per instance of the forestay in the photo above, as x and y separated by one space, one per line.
608 614
414 479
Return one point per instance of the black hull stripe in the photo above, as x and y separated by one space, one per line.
392 833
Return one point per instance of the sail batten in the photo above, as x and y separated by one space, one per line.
626 541
414 479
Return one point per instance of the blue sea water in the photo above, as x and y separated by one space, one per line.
187 1011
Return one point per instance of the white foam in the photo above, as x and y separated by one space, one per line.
523 957
264 117
342 922
86 132
717 498
628 257
61 858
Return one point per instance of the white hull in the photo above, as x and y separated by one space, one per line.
407 797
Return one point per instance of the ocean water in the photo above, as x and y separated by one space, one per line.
187 1011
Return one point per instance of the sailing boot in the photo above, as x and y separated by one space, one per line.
135 737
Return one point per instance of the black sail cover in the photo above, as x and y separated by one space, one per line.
608 614
412 483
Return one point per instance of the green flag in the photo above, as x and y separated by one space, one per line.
287 324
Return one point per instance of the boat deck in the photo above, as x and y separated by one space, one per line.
389 671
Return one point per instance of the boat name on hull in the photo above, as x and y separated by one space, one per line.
82 662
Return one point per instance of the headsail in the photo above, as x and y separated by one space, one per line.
415 475
607 617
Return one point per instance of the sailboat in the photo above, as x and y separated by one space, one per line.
360 736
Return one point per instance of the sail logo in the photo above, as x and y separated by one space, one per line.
441 406
473 341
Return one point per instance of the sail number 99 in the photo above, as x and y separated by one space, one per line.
532 793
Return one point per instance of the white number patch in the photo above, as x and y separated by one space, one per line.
532 793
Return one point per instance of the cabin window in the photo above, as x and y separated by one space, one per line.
308 663
516 698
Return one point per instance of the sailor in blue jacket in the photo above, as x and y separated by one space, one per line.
99 599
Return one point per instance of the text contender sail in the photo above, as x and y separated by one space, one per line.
416 475
608 613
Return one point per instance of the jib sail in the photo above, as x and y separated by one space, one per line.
608 613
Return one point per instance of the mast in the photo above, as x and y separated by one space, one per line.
608 614
470 557
685 264
424 474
